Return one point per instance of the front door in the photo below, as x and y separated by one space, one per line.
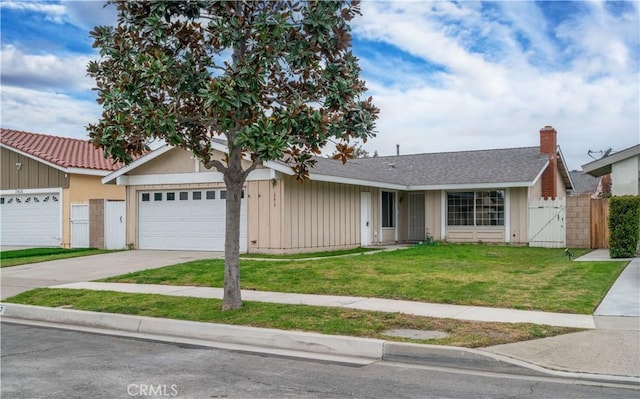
365 219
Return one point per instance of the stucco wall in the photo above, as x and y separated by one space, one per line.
625 177
83 188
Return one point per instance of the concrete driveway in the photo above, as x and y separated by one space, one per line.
17 279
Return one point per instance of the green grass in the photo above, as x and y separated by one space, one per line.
325 254
481 275
325 320
34 255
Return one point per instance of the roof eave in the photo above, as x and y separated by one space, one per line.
602 166
71 169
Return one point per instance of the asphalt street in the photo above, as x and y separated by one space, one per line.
42 362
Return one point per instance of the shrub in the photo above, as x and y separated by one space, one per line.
624 226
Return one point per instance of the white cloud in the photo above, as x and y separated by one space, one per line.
54 12
49 71
501 95
45 112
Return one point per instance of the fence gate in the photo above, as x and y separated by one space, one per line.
79 225
546 223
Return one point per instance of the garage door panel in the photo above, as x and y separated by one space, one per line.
185 222
30 219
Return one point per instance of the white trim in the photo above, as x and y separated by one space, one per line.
443 215
467 186
90 172
566 169
357 182
142 160
186 178
507 215
19 191
74 170
278 167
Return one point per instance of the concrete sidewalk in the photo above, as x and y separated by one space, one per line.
611 351
459 312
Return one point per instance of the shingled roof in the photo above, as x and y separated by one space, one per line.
499 166
63 152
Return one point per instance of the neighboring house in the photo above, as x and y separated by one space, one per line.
173 202
584 183
42 176
624 167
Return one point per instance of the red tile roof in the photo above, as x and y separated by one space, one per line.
61 151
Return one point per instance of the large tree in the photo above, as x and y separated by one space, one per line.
273 79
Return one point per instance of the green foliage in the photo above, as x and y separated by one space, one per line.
35 255
275 79
624 226
324 320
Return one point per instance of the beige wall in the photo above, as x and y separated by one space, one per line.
625 177
323 216
83 188
578 221
433 213
518 211
32 174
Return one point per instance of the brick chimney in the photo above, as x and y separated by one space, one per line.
548 146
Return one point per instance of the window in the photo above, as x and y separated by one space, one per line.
388 209
157 196
479 208
211 195
145 197
197 195
184 195
1 200
171 196
223 194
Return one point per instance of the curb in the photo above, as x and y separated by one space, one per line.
273 340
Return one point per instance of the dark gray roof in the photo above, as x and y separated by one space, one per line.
512 165
584 183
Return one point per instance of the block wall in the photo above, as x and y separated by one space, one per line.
578 221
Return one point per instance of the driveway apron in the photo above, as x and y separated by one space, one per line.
17 279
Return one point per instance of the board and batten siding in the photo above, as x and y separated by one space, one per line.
318 216
433 213
32 174
518 211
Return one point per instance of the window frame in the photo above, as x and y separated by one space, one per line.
478 207
388 211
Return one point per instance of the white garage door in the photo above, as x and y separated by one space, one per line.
30 220
185 219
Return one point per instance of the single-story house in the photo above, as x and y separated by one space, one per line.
624 167
173 202
42 178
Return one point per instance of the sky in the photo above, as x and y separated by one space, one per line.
447 76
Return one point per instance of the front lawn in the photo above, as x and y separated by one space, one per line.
481 275
34 255
324 320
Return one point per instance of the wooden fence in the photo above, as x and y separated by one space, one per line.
599 223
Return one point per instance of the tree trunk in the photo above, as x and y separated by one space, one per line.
234 181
